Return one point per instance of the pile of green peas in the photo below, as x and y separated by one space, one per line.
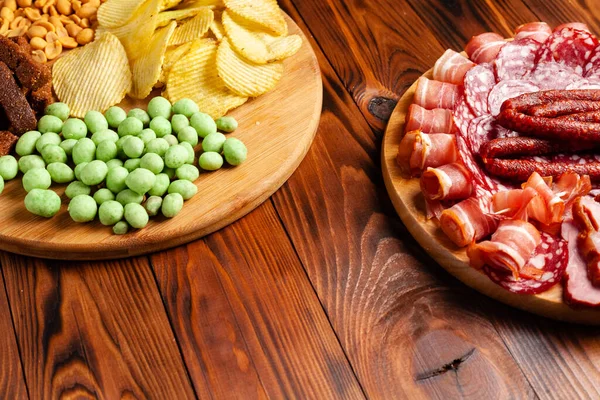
120 167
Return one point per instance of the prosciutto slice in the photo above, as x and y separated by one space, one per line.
468 221
578 288
432 94
511 247
513 203
438 120
484 48
586 214
538 31
547 207
448 182
451 67
570 186
418 151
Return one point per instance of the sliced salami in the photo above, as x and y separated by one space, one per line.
550 257
553 76
591 83
480 131
501 132
569 47
592 67
516 59
479 81
507 90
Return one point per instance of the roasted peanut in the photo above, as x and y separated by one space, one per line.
85 23
51 37
64 7
65 20
53 50
24 3
86 11
36 31
4 27
54 20
11 4
46 25
15 22
32 14
61 32
68 42
39 56
75 18
7 14
85 36
73 29
76 5
37 43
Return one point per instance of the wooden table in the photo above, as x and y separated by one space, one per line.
320 292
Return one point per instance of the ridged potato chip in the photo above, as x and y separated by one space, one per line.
195 28
281 47
242 37
202 3
93 77
195 77
265 13
146 69
244 77
136 35
166 4
172 55
165 17
217 27
116 13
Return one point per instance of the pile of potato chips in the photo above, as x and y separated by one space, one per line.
218 53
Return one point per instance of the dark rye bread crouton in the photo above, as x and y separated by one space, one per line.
7 142
41 98
15 105
17 56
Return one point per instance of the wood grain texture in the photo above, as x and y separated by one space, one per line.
248 321
408 201
409 330
12 385
560 12
93 330
277 129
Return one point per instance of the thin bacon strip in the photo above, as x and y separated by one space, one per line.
538 31
468 221
547 207
418 151
510 248
438 120
432 94
485 47
451 67
448 182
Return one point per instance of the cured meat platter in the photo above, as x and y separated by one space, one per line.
517 254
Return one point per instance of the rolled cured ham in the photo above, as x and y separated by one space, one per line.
451 67
510 247
468 221
448 182
570 186
578 288
438 120
485 47
586 214
418 151
538 31
547 207
513 203
432 94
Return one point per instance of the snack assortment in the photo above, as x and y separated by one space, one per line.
505 145
218 54
49 26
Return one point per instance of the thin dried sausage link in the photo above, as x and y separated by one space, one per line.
520 170
563 107
527 100
591 116
527 146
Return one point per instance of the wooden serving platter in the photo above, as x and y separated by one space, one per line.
277 128
410 206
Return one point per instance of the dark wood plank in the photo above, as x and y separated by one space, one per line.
247 319
12 385
557 12
408 328
93 330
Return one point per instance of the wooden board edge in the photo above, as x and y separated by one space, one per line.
402 192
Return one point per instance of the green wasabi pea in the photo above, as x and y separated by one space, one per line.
157 146
214 142
83 208
172 205
95 121
171 139
114 116
44 203
161 185
104 134
46 139
29 162
110 212
188 172
9 167
26 143
128 196
114 163
186 107
140 180
161 126
147 135
74 128
60 110
188 135
191 152
103 195
132 164
203 124
78 169
84 151
139 114
130 127
179 122
227 124
94 173
116 178
120 228
152 162
176 156
210 161
186 189
1 184
76 188
153 205
235 151
60 173
67 146
133 147
136 215
50 123
53 153
106 151
159 107
37 178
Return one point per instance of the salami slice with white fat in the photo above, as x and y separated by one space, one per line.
507 90
516 59
550 257
480 131
591 83
553 75
502 132
569 47
479 81
592 66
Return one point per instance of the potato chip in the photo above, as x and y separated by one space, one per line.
193 29
165 17
281 47
195 77
173 54
243 39
136 35
146 69
244 77
217 27
93 77
202 3
166 4
265 13
116 13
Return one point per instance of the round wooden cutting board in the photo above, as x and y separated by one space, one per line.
410 206
278 129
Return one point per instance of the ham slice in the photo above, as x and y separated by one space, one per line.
448 182
432 94
485 47
451 67
468 221
586 214
547 207
510 248
538 31
513 203
578 289
438 120
418 151
570 186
